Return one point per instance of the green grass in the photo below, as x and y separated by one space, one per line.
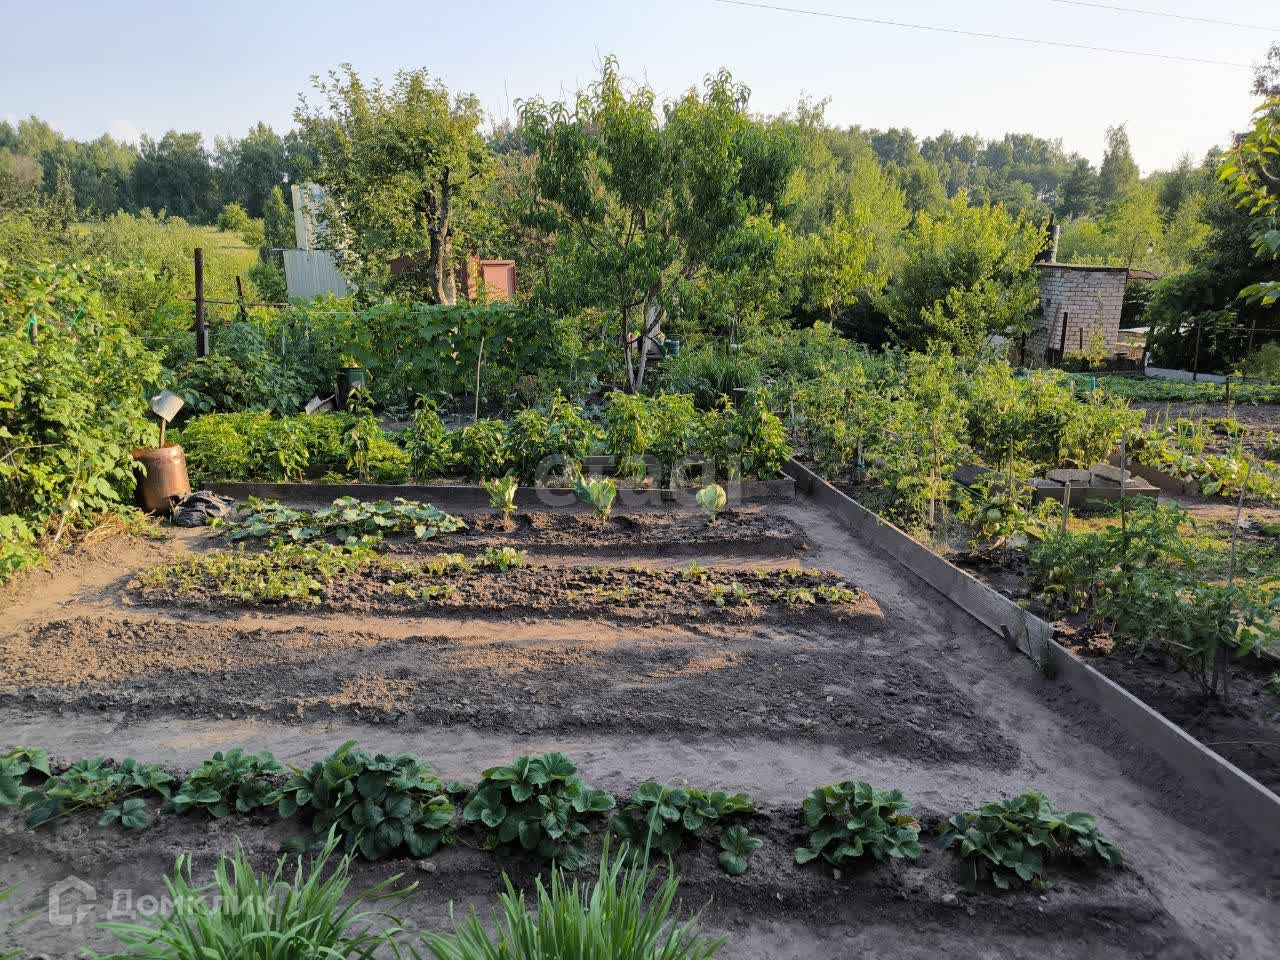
246 915
610 919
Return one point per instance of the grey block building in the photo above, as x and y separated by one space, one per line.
1077 303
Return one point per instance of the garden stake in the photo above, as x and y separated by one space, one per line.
1066 504
1225 652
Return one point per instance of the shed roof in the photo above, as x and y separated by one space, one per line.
1097 268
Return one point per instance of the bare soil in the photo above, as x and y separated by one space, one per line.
745 532
1246 730
904 690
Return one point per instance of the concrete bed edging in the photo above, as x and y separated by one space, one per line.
1246 798
469 495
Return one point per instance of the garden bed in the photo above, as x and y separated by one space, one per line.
889 683
469 496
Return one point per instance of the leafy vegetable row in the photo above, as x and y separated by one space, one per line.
383 805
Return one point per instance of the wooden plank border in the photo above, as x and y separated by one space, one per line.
1206 771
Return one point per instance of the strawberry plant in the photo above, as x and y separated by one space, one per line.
538 804
117 789
736 849
502 497
663 819
1010 842
852 820
598 494
15 766
226 782
377 804
712 499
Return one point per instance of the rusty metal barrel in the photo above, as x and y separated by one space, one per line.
165 477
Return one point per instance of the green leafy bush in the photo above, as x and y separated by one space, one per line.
377 804
481 449
1011 842
118 790
610 919
246 915
226 782
242 372
627 432
72 402
427 442
662 819
538 804
852 820
18 550
762 445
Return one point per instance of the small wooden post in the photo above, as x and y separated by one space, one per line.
1066 504
202 329
1195 361
241 311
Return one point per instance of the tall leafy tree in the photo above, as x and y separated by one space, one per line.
1119 171
248 168
647 210
403 167
966 274
175 174
1079 191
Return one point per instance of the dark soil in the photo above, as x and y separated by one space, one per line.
760 681
746 532
1110 913
1245 731
646 594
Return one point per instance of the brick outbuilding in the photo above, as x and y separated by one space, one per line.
1077 302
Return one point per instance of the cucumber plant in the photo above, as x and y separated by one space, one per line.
852 820
537 804
1010 842
664 818
378 804
229 782
119 791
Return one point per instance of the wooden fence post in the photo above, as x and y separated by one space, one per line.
202 329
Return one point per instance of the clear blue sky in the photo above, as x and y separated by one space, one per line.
129 67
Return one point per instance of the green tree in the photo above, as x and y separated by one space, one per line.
1252 170
1119 171
647 212
966 274
175 174
402 167
248 169
1079 191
